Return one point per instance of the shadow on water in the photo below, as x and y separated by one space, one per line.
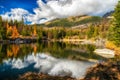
17 59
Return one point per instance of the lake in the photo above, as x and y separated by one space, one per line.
53 58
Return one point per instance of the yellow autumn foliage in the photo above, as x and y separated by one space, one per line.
111 45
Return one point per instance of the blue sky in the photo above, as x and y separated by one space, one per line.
25 4
40 11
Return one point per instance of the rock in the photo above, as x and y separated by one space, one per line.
107 53
40 76
109 70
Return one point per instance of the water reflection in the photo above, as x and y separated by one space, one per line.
46 64
48 57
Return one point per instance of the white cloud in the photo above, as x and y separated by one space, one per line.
16 14
65 8
62 8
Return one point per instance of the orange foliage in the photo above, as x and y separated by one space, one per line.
13 29
15 33
34 32
9 28
13 52
35 49
9 53
15 49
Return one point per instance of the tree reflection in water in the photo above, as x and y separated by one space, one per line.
54 58
56 49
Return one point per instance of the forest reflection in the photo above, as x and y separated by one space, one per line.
55 49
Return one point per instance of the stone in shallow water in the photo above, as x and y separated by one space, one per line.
107 53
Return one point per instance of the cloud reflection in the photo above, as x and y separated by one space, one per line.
53 66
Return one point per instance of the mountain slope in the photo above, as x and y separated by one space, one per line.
72 21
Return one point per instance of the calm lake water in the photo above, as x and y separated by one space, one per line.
53 58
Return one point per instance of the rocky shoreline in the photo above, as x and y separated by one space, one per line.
109 70
40 76
104 71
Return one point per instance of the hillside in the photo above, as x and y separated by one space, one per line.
72 21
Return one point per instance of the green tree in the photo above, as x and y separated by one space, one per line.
96 31
40 33
25 31
0 27
2 30
55 34
90 31
0 21
114 31
11 22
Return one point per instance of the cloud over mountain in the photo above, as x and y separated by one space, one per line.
64 8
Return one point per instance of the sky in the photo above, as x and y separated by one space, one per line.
40 11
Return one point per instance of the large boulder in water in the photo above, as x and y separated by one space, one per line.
107 53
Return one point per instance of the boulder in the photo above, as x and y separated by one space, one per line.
107 53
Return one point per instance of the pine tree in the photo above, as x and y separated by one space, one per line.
90 31
96 31
0 21
114 31
2 30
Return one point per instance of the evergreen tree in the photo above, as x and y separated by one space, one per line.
40 33
2 30
114 31
0 21
90 31
0 27
96 31
11 22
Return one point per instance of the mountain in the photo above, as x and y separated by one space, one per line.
108 14
72 21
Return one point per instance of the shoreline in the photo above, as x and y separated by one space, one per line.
18 41
109 70
101 71
41 76
102 43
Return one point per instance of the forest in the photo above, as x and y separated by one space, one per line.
15 29
95 27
